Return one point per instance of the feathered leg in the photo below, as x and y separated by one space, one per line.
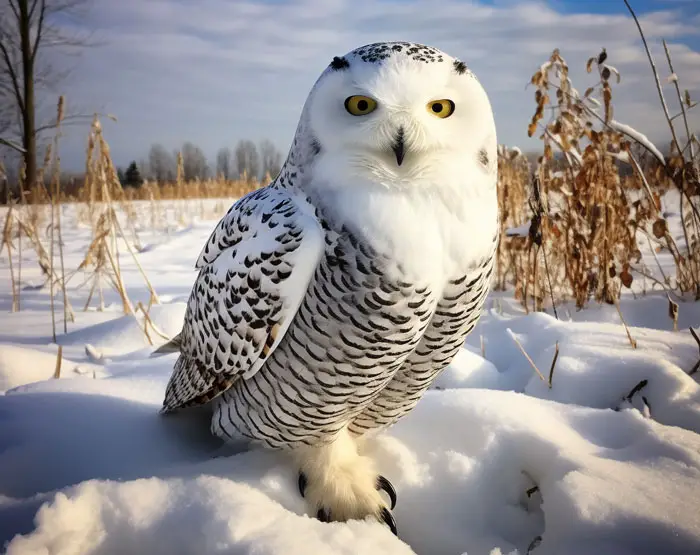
339 484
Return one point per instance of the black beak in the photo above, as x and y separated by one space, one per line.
398 147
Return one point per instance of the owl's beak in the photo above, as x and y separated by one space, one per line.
398 147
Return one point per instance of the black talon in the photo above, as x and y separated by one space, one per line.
324 515
388 487
302 483
388 519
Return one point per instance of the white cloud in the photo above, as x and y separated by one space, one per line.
215 71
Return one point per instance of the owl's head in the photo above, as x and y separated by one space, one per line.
398 114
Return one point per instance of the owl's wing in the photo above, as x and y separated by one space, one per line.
253 274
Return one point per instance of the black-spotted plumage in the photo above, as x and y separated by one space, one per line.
327 302
350 336
367 344
242 296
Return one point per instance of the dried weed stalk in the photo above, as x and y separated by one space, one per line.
103 255
596 189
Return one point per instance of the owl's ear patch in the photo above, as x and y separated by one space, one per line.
460 67
485 161
339 63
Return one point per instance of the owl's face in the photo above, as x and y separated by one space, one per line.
400 113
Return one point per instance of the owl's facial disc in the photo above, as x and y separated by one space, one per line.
399 115
360 105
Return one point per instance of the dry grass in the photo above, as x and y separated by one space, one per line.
595 191
570 223
109 209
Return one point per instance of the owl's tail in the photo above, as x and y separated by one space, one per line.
172 346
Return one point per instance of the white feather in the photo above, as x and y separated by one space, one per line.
436 213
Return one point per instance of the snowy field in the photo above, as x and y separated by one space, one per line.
492 461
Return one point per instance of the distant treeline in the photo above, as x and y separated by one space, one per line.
246 161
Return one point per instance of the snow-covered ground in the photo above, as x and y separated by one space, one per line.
491 461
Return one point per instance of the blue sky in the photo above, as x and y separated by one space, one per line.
216 71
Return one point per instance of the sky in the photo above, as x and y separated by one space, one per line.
217 71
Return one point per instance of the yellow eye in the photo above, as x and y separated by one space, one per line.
359 105
441 108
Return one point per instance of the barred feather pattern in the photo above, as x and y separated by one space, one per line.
361 351
455 316
352 332
244 294
358 349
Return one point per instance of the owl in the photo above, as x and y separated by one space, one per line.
328 301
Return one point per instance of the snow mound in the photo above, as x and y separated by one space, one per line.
491 461
207 514
23 365
20 365
468 369
125 334
597 366
464 462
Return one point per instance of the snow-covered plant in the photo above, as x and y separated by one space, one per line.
596 191
586 213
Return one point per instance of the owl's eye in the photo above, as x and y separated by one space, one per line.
359 105
441 108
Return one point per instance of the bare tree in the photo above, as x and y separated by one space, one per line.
194 162
223 163
27 28
161 164
271 158
247 159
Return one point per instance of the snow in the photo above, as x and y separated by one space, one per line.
639 137
18 364
492 460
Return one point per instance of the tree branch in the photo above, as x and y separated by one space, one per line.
15 9
39 28
32 9
67 120
11 145
13 75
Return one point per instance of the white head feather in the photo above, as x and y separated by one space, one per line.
440 198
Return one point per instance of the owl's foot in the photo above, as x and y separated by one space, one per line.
382 484
340 485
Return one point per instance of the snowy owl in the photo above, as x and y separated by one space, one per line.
328 301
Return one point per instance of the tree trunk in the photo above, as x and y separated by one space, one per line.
28 115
